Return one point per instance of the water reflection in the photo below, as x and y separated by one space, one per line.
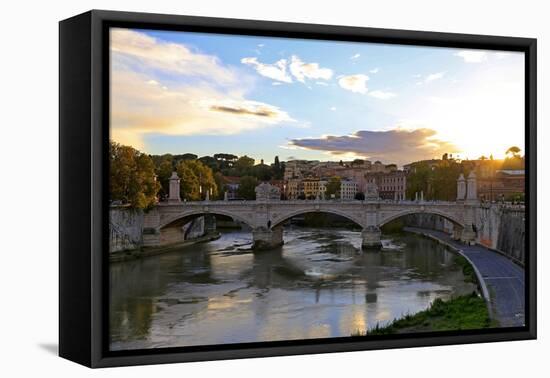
319 284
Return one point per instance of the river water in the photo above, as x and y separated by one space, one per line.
319 284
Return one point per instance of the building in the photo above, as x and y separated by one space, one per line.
348 189
391 186
314 187
503 185
232 186
294 188
279 184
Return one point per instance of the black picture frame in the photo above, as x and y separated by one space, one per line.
83 196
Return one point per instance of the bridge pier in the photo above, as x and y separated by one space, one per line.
265 239
371 238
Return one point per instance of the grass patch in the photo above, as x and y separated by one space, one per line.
467 269
459 313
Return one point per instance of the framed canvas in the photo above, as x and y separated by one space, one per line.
236 188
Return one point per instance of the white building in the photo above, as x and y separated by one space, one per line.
348 189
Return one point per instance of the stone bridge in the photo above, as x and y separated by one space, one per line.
266 215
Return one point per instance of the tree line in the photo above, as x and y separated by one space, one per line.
139 179
438 182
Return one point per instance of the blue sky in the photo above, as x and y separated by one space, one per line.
183 92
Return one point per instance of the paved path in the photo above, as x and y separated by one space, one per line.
504 280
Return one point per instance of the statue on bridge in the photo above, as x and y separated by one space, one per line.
267 192
371 192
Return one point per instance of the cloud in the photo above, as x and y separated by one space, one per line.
382 95
209 98
333 108
301 70
145 53
321 83
374 70
248 108
472 56
355 56
434 76
283 71
396 145
354 83
276 71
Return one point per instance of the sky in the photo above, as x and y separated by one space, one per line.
182 92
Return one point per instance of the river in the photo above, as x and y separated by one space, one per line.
319 284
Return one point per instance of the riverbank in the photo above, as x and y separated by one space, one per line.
147 252
459 313
502 281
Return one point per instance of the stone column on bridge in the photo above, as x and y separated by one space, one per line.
471 193
460 188
469 233
174 188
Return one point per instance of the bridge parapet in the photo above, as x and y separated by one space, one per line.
267 215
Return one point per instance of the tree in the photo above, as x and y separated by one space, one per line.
247 187
225 161
513 151
194 175
360 196
164 171
418 180
220 183
262 172
443 181
333 187
513 159
132 177
210 162
243 165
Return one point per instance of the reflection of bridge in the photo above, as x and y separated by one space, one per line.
266 215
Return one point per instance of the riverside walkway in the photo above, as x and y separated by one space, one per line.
502 281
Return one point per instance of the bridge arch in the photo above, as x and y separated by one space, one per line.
200 212
285 217
442 214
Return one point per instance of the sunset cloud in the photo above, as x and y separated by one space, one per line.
208 98
354 83
267 113
397 145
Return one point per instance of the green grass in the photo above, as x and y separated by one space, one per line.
467 269
459 313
